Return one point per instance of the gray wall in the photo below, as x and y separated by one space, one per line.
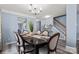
71 24
78 27
62 19
0 33
9 26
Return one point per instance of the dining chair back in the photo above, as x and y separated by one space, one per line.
19 43
19 39
52 43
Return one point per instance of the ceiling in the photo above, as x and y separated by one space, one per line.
47 9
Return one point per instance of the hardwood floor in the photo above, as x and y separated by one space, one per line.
77 46
12 49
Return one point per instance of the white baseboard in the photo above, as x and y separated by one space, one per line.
5 45
71 49
11 42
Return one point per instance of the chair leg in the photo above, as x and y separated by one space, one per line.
48 52
24 52
24 49
18 49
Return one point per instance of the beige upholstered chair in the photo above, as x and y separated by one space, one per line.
19 43
52 43
23 47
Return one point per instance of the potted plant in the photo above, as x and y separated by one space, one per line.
31 27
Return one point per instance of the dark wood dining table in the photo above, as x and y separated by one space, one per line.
36 40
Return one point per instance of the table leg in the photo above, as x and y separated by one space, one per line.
37 50
24 46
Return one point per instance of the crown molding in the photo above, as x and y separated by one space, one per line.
12 12
16 13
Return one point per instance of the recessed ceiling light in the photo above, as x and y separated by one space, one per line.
47 16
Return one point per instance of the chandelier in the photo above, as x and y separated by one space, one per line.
34 10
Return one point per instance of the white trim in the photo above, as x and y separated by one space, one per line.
6 44
71 49
11 42
12 12
16 13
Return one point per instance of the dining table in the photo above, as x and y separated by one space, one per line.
37 40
